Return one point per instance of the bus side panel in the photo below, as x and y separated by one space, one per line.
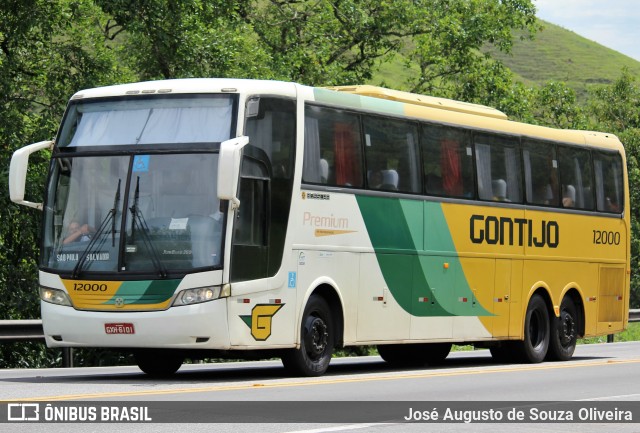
380 316
488 239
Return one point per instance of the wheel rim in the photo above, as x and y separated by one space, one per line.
567 329
316 338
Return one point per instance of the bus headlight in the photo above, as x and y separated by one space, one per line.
198 295
54 296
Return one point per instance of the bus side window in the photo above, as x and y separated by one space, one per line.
391 154
608 174
497 158
540 163
575 177
447 161
332 150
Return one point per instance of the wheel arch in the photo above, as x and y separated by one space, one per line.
541 289
331 295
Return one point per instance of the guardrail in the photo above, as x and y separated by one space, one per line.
29 330
25 330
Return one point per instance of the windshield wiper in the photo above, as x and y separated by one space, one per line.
138 221
110 218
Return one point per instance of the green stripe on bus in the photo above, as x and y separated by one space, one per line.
356 101
412 243
145 292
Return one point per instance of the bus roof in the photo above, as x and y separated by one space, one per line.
427 101
475 116
421 106
190 85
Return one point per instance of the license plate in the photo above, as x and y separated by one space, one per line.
119 328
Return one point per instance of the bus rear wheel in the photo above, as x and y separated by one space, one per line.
536 332
158 363
564 332
317 340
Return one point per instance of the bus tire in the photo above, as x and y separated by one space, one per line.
533 349
564 332
436 353
158 363
317 341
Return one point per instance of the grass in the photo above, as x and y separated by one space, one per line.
555 54
632 333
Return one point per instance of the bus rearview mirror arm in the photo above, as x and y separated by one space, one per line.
18 172
229 169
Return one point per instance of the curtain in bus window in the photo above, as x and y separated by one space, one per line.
413 162
103 128
600 202
528 181
451 170
617 175
483 162
513 173
311 171
187 125
347 163
578 186
155 125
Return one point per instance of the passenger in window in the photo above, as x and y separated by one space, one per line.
375 179
77 233
568 196
612 205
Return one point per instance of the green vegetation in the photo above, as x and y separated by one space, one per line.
484 51
632 333
557 54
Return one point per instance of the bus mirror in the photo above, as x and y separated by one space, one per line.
229 168
18 172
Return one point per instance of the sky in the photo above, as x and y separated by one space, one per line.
612 23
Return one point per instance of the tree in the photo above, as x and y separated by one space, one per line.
166 39
315 42
615 108
48 50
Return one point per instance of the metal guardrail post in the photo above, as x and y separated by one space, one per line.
67 357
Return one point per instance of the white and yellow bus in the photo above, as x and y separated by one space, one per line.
219 217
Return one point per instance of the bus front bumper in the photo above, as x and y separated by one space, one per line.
199 326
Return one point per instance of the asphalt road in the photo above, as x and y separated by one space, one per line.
357 394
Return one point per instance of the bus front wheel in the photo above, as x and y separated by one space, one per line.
564 332
158 363
536 332
316 341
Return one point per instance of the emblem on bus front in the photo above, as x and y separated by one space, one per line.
261 319
119 302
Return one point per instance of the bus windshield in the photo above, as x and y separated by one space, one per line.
148 121
168 212
128 210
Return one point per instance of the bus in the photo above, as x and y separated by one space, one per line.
197 218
